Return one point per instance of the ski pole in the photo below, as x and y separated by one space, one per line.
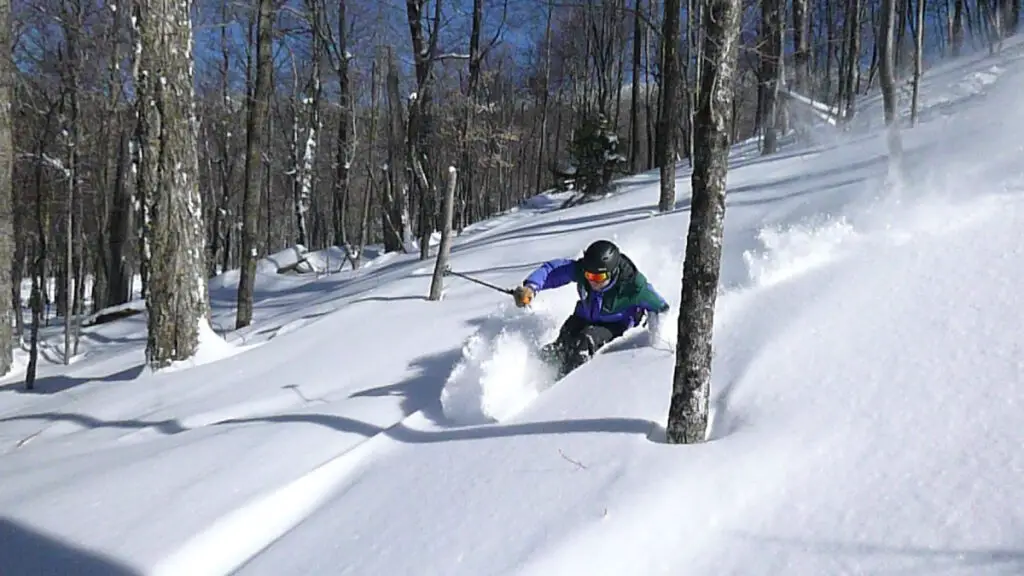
448 270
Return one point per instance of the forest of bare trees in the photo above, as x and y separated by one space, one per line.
170 153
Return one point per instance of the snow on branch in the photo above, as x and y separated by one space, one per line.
54 163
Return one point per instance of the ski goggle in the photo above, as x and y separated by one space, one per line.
596 277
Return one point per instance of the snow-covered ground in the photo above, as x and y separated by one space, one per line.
868 384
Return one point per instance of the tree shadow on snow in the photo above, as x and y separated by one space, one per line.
905 559
421 391
25 551
86 421
60 382
418 298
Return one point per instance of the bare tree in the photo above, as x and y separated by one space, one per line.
634 99
8 306
345 147
177 302
771 72
669 110
801 49
258 108
918 55
887 81
304 150
420 124
443 250
691 381
71 20
851 75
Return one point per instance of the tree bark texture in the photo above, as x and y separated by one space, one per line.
177 302
688 411
6 190
444 249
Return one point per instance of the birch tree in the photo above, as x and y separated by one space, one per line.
305 134
177 301
691 381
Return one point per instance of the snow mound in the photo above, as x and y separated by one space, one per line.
281 260
212 347
500 372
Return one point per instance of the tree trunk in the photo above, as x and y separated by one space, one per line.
634 101
258 108
392 210
469 112
669 111
38 269
771 59
691 382
305 168
119 277
545 97
852 72
443 250
112 138
36 303
177 303
801 53
918 51
371 149
887 80
222 217
957 32
72 20
8 306
420 125
344 146
139 203
695 48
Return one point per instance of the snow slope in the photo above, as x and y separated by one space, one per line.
867 383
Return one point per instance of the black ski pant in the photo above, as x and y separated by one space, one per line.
578 340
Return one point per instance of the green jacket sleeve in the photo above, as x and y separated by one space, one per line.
647 297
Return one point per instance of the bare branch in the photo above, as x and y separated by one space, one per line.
576 462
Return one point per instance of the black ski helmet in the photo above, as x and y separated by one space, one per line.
601 256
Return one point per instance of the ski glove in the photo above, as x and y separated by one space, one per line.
523 295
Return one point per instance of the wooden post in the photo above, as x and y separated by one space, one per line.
446 232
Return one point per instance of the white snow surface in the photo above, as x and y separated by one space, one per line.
867 392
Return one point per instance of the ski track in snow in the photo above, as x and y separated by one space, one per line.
236 537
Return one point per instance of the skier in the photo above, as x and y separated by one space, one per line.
614 297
